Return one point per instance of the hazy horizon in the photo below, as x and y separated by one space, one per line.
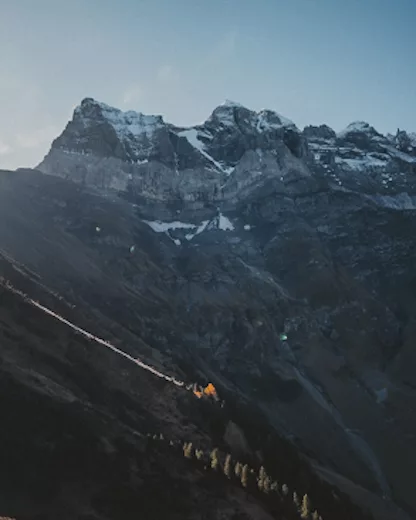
313 61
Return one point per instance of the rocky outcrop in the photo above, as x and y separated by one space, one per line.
319 132
405 142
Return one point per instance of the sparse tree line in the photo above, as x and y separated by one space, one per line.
246 476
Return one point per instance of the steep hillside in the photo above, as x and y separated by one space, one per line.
76 442
73 444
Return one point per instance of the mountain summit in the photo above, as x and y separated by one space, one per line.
225 157
106 147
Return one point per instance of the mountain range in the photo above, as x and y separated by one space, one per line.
275 263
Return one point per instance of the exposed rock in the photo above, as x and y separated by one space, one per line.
131 152
319 132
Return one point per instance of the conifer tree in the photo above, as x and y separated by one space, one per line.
237 469
315 515
261 478
266 484
285 490
187 450
214 459
274 486
305 511
199 454
244 476
227 466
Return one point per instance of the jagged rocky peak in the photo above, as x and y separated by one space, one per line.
125 124
106 148
230 113
269 119
88 108
362 135
99 129
91 108
235 129
358 127
405 142
319 132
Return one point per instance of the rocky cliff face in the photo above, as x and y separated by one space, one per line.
131 152
209 243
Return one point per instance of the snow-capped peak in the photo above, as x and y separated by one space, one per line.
264 120
358 127
126 124
225 113
232 104
267 119
272 118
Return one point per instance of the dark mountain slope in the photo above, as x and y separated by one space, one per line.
72 444
198 316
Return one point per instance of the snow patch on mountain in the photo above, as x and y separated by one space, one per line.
191 134
220 222
225 223
361 163
161 227
199 230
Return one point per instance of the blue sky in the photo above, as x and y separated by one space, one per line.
314 61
